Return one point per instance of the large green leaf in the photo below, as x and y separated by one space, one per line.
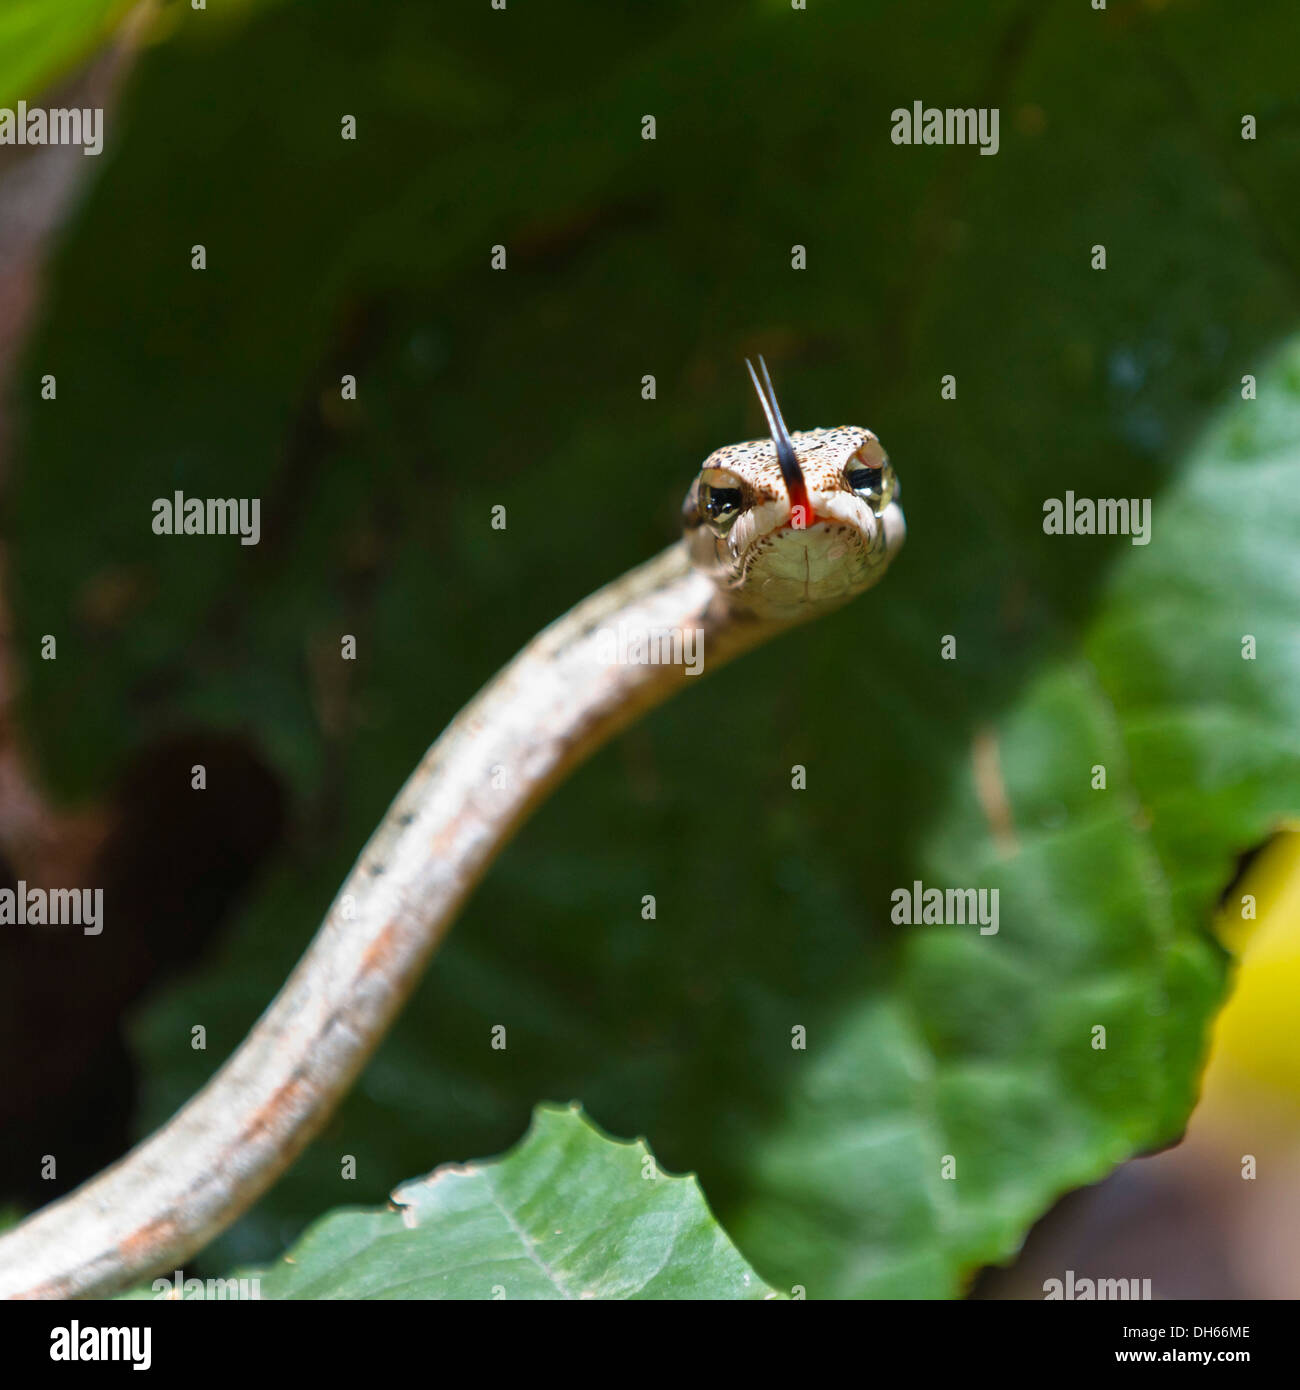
985 1048
631 257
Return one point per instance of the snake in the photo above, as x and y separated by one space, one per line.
775 531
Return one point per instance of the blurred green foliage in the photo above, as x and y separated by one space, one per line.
40 41
672 257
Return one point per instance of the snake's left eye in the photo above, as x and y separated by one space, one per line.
721 498
871 477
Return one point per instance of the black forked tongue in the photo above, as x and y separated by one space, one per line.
785 455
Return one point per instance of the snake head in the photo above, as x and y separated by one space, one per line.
794 525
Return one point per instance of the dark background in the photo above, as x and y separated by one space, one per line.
523 388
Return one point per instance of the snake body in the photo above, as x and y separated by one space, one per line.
776 531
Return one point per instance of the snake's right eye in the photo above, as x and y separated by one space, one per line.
721 501
871 477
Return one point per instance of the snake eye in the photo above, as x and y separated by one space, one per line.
721 499
871 477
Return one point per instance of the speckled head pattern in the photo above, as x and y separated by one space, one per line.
785 542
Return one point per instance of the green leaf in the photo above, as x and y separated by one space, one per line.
986 1049
40 41
567 1213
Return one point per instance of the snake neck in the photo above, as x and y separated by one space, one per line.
626 648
